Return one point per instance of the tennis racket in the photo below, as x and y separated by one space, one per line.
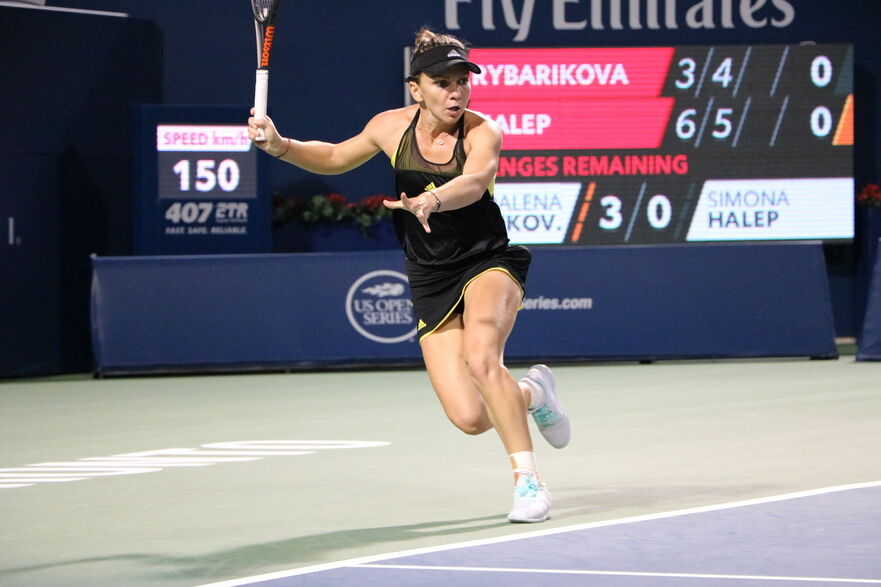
265 12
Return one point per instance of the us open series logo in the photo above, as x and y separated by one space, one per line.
379 307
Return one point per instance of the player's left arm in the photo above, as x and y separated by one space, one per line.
483 143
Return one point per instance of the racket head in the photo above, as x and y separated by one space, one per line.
265 10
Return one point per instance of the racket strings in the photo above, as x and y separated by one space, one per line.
263 8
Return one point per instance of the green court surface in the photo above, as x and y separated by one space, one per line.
646 439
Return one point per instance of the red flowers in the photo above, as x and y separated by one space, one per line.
374 203
870 195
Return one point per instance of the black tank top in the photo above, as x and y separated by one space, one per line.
455 234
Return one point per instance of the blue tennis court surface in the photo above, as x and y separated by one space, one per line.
829 536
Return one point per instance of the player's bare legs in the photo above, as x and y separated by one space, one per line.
465 361
491 303
449 374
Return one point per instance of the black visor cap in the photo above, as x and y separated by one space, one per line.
439 59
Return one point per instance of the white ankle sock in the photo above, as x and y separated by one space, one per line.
536 393
524 462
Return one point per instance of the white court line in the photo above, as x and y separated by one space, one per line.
526 535
621 573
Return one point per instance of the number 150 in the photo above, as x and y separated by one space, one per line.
226 176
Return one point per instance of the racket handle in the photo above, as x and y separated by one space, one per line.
261 90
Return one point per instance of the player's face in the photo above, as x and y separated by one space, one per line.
446 95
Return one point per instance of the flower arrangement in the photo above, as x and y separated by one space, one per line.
870 196
330 208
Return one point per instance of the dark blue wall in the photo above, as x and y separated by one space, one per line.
65 180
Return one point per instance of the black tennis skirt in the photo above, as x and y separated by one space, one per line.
438 291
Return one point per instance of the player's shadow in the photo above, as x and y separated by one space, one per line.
289 553
316 547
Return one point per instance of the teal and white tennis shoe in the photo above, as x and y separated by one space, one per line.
551 419
532 500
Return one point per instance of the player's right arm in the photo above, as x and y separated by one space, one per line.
326 158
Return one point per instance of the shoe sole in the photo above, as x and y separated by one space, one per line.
530 521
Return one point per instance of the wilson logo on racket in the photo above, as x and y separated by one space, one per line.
267 45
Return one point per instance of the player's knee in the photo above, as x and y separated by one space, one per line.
481 365
470 422
470 417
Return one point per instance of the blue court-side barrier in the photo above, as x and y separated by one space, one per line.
320 309
869 348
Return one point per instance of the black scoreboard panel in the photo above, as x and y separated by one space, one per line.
646 145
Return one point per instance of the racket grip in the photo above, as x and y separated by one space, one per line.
261 91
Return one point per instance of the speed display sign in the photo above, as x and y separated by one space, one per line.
201 183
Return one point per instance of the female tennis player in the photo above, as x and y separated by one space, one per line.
466 281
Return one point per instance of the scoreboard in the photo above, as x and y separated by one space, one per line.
200 186
651 145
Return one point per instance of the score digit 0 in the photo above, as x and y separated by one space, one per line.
821 76
658 212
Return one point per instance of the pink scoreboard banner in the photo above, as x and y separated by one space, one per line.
540 96
571 73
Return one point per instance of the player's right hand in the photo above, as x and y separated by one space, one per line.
272 142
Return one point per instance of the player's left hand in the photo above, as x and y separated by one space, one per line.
420 207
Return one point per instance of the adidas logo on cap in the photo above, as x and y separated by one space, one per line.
453 53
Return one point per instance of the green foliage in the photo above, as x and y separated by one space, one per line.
330 209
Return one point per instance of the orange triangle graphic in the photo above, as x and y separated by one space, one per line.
844 132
